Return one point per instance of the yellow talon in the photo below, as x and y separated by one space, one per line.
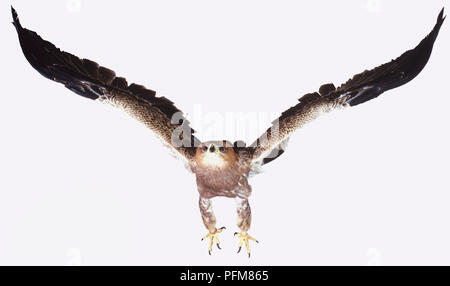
244 238
213 237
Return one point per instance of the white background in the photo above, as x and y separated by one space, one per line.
82 183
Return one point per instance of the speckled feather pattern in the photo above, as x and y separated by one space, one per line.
153 118
299 116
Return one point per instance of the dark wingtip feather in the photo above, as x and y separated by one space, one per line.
439 21
441 17
15 17
14 13
370 84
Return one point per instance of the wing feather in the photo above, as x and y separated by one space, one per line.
359 89
90 80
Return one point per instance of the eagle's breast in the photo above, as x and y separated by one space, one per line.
219 171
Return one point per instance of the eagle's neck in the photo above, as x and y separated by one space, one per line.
213 162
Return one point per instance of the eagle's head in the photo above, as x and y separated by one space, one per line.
215 155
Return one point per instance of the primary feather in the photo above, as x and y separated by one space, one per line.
90 80
359 89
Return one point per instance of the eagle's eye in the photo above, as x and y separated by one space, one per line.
205 148
222 149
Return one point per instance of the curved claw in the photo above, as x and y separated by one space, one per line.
244 238
213 237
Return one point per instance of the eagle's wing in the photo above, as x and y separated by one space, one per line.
359 89
95 82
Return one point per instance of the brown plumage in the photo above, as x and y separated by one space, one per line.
221 168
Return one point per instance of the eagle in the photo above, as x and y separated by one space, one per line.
221 168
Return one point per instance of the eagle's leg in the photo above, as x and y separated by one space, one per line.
209 220
243 222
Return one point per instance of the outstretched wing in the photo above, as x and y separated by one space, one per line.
95 82
359 89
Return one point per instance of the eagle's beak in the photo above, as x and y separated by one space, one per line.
212 148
